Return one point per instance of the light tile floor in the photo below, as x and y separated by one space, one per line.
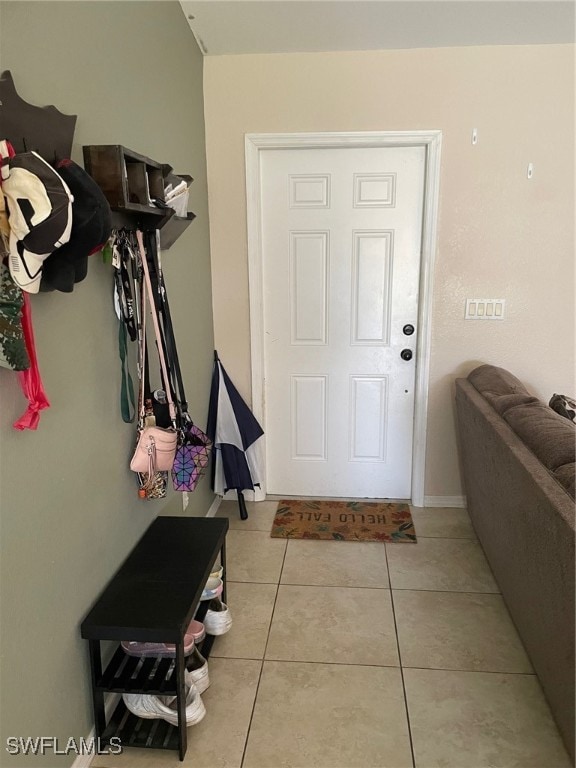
362 655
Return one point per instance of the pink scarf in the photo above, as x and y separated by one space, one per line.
30 380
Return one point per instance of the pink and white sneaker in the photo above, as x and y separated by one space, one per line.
195 633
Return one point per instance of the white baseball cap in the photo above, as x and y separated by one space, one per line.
40 215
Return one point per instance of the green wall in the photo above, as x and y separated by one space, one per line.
69 512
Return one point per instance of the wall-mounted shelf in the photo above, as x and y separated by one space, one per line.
173 228
131 182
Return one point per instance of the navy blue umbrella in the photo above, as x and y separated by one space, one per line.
234 431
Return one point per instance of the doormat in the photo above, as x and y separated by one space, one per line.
343 521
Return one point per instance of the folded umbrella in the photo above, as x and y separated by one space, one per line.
235 433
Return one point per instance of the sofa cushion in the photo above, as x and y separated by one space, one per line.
547 434
566 476
496 381
503 403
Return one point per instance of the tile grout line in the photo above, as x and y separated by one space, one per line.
445 591
400 662
252 713
380 666
471 671
388 588
263 659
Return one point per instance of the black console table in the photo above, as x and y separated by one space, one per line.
152 598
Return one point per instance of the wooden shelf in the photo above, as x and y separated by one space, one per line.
129 674
172 228
131 182
135 732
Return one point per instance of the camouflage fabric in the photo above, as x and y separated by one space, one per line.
13 353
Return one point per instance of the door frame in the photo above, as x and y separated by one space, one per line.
255 144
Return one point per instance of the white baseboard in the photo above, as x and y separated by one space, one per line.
445 501
214 506
256 495
85 761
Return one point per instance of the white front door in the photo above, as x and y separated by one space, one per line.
341 243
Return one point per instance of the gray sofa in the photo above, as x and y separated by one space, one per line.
517 459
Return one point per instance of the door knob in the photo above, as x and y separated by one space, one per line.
406 354
408 330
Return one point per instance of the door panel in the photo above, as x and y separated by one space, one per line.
309 287
341 236
308 419
371 287
368 408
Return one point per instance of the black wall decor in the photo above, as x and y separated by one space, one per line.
44 130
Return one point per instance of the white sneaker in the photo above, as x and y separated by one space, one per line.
165 707
198 670
218 619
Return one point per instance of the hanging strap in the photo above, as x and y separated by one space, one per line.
167 387
142 360
163 308
148 479
124 286
126 306
127 405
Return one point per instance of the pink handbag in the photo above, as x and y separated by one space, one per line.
155 450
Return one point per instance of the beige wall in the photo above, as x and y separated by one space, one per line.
499 235
70 514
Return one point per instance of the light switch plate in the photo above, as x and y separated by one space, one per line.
485 309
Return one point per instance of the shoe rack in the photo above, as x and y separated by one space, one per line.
152 598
